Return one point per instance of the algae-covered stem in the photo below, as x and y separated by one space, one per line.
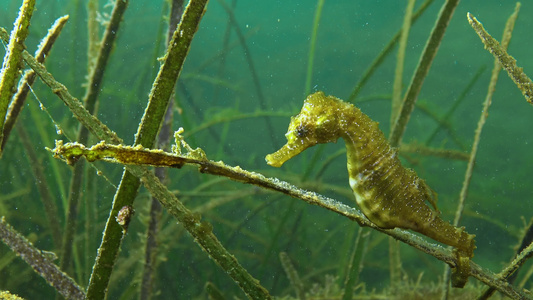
422 69
159 97
29 77
94 86
39 262
12 60
219 254
140 156
522 81
15 108
163 142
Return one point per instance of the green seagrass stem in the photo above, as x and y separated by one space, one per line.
217 252
96 74
159 97
522 81
41 263
29 77
238 174
429 53
13 61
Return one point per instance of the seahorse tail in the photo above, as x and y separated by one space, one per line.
461 271
463 253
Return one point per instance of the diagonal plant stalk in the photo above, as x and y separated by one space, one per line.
293 276
384 53
163 142
96 71
29 77
14 111
430 50
40 262
146 134
253 72
509 26
443 121
522 81
12 61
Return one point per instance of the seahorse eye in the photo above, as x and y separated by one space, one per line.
301 131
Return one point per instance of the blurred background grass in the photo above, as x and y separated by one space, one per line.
255 225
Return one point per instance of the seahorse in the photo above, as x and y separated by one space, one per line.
387 193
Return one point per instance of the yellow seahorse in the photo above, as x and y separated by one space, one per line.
388 194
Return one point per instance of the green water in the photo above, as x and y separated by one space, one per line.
255 225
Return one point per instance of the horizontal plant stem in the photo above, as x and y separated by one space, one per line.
200 230
39 262
132 157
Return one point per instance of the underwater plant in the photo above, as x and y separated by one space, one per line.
98 230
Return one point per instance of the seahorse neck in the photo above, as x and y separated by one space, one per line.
357 129
362 138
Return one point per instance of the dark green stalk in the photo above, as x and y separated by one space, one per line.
522 81
509 26
356 263
312 47
384 53
96 69
13 61
443 121
213 292
398 75
92 34
159 97
163 142
292 274
429 53
223 53
42 264
29 77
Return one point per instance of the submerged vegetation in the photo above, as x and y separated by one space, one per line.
124 83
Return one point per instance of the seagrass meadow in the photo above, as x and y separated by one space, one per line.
134 136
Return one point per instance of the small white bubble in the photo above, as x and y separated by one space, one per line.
58 130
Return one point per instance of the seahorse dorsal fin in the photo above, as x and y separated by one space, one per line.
432 195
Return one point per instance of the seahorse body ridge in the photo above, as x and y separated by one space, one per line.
389 194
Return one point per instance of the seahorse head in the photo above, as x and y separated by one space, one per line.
317 123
